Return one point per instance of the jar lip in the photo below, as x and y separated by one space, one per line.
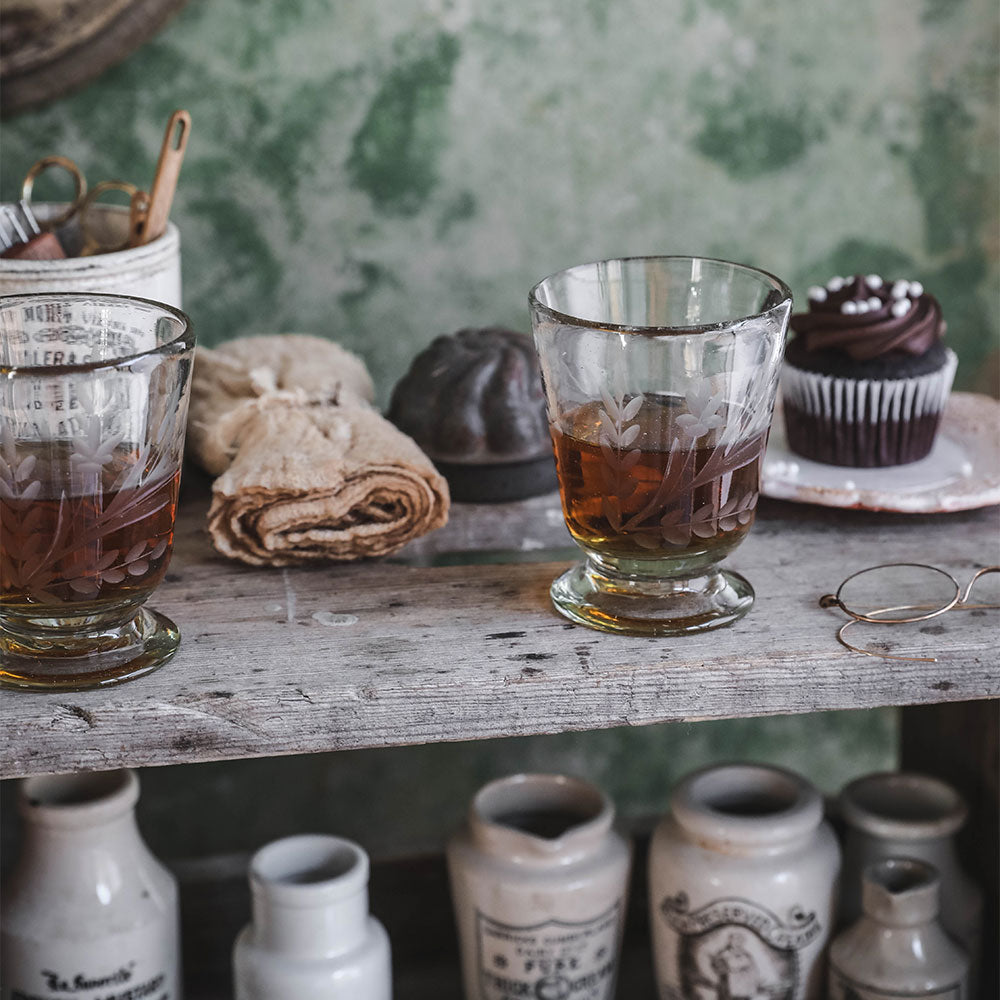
78 800
903 804
309 869
900 890
590 808
751 805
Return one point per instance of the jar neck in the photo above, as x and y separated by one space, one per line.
82 820
321 929
310 896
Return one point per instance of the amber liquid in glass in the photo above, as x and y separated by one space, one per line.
66 555
650 498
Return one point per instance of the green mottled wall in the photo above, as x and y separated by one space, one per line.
383 172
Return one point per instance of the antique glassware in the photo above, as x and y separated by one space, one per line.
93 402
660 375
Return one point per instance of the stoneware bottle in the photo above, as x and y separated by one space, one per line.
311 937
539 882
915 816
88 912
742 875
897 948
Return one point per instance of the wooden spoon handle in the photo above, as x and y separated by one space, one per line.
168 169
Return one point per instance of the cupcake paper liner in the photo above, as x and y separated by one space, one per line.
864 422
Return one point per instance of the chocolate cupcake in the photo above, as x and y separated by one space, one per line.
866 376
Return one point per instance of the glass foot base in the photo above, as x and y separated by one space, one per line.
641 605
75 661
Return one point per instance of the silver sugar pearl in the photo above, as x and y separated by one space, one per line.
900 289
874 303
836 283
874 280
901 307
862 305
916 289
817 293
849 308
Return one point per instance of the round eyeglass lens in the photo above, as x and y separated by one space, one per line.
897 593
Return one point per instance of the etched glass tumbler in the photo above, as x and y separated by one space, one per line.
660 375
93 400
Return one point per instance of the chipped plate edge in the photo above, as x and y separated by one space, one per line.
971 421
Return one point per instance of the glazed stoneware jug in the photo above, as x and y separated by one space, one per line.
88 912
742 879
900 814
539 882
898 948
311 936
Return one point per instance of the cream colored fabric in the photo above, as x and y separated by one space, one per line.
307 470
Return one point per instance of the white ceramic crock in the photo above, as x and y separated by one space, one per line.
539 882
88 912
311 937
898 948
152 271
742 877
901 814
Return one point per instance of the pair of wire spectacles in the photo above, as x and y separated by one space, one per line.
926 590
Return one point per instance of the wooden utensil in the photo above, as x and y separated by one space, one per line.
168 169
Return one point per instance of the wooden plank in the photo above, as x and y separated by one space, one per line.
347 656
960 743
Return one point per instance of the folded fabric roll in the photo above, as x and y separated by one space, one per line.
307 470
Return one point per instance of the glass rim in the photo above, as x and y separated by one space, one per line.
568 319
186 334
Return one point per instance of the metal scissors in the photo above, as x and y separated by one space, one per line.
81 207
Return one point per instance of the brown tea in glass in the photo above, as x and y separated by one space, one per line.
660 375
92 413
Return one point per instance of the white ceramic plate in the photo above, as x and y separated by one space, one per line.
961 472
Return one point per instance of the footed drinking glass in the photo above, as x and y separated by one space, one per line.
660 375
93 401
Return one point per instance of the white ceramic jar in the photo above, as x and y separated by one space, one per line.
900 814
152 271
898 948
311 936
539 881
742 880
88 912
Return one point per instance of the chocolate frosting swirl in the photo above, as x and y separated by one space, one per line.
869 330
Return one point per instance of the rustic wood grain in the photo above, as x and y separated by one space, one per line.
346 656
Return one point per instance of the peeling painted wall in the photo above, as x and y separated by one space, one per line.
381 173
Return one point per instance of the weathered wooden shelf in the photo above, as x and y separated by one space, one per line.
412 651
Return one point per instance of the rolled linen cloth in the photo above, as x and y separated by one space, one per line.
307 470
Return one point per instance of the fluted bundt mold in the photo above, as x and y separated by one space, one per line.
473 402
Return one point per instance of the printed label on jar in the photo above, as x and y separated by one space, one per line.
737 948
121 969
554 960
844 988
